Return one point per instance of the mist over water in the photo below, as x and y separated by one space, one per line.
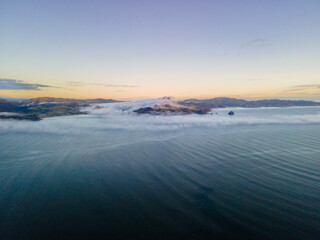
121 116
112 174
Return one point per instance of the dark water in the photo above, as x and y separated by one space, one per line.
252 176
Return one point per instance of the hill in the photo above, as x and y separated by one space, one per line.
63 101
168 105
7 106
38 108
223 102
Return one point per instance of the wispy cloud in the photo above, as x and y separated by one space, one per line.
81 84
302 89
13 84
255 43
312 86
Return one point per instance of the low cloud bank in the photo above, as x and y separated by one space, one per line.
113 118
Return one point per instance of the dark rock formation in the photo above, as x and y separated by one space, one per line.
144 110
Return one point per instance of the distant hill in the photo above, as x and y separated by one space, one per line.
63 101
168 105
43 107
12 99
224 102
38 108
7 106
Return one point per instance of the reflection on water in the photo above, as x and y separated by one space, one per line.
254 175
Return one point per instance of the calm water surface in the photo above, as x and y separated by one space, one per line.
255 175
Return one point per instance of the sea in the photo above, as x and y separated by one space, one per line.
114 175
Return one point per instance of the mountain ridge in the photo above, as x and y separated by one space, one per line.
223 102
43 107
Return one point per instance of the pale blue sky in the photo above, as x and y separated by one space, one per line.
179 48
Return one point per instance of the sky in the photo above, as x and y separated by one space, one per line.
138 49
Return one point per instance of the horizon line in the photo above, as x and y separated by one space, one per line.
315 99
